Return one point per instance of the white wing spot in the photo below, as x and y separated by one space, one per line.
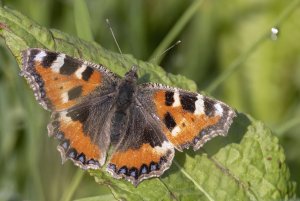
58 63
39 57
199 104
65 117
163 148
219 109
80 70
65 97
175 131
176 99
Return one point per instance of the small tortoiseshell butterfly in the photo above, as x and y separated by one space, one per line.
94 109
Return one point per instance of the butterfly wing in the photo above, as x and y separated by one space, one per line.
143 152
80 95
186 118
83 132
60 81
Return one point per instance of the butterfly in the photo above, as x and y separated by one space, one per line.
94 110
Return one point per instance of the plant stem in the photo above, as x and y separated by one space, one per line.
235 64
288 125
73 185
177 28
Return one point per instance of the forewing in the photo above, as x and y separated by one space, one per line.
60 82
143 152
186 118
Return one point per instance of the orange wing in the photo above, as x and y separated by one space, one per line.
60 81
186 118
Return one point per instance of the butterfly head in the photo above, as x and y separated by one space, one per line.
131 75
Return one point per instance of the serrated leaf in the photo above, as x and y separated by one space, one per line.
248 164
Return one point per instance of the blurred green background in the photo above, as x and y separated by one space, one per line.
266 85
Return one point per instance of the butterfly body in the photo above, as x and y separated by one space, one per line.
94 109
125 97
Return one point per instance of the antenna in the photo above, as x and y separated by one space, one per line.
113 35
169 48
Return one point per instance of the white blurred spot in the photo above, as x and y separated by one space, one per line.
274 33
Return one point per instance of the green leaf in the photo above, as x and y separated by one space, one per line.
248 164
98 198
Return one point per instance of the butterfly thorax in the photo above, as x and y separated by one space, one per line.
126 91
125 97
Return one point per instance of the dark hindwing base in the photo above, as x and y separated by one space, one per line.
143 152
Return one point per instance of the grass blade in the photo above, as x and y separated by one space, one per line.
185 18
82 20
